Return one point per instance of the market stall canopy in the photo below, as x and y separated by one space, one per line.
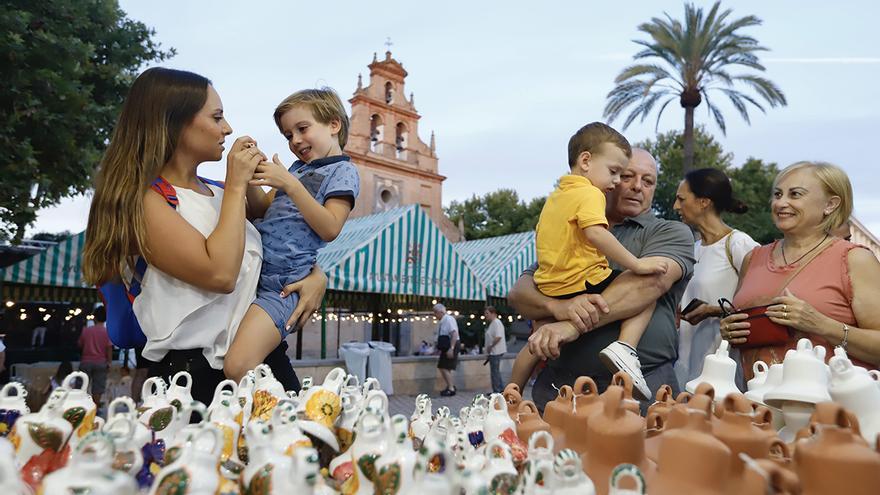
400 251
51 275
499 261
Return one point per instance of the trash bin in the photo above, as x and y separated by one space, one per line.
380 364
356 355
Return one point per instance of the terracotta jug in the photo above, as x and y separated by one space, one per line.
737 430
529 421
625 381
513 396
765 477
836 459
684 449
586 402
677 417
615 436
558 409
663 402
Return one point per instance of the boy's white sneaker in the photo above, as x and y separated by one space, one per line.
619 356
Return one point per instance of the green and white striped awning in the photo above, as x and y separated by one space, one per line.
57 266
54 275
400 251
499 261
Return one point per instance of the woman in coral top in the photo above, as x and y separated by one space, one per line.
816 284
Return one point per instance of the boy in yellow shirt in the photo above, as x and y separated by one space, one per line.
573 241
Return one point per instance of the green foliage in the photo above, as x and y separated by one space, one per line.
752 182
496 213
68 65
51 236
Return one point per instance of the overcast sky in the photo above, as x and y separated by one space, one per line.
504 84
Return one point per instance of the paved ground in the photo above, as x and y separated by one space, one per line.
405 404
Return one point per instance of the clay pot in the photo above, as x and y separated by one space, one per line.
529 421
615 436
836 459
663 402
586 402
558 410
513 396
737 430
625 381
764 477
682 449
676 417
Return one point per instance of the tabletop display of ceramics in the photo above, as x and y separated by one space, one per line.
337 436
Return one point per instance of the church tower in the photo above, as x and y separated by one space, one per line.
396 167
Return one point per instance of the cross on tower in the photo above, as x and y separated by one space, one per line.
388 44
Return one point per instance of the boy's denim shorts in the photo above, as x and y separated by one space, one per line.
269 298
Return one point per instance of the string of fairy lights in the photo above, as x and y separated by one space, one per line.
388 316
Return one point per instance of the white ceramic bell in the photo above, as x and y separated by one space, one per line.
180 390
857 391
10 479
13 404
79 408
719 370
570 478
90 471
267 392
497 419
322 402
772 378
805 377
394 468
121 430
45 429
371 442
795 415
195 471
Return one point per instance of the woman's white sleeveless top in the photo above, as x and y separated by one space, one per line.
176 315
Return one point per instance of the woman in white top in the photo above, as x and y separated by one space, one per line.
701 198
204 256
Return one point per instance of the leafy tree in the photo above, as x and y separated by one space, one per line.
51 236
686 61
68 65
496 213
752 182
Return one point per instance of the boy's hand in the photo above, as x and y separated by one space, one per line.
272 174
651 267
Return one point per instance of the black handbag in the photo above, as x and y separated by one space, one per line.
444 342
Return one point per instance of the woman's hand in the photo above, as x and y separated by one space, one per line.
735 329
796 313
702 312
311 291
241 161
272 174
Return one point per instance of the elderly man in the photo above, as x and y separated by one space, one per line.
586 324
447 345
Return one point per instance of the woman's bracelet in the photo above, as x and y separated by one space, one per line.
843 342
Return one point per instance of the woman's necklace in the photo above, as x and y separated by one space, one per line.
802 256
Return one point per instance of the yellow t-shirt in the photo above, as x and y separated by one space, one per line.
566 260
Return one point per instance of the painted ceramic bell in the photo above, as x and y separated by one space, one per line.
622 474
267 392
287 438
322 402
222 412
421 420
434 470
719 370
304 473
195 471
394 468
858 392
90 471
805 377
497 419
371 441
13 404
79 408
538 478
499 469
156 411
127 455
10 479
836 459
570 478
268 471
180 390
45 430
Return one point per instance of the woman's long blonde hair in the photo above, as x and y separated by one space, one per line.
160 103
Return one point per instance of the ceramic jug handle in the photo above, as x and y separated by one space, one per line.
68 381
585 385
96 446
664 394
759 368
497 448
13 389
654 421
334 379
779 449
185 375
538 436
623 380
626 471
127 402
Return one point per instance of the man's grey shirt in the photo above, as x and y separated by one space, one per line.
644 235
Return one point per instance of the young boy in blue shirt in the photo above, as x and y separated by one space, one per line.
306 209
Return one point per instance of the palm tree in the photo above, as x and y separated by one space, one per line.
688 61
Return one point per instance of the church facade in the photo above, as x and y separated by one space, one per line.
396 167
